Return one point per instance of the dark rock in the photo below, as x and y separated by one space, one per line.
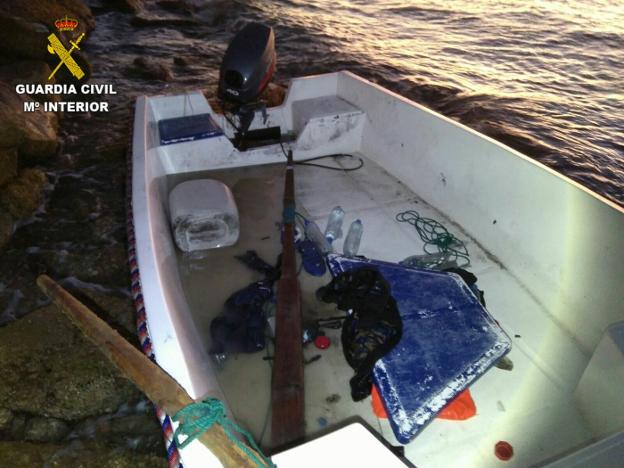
22 38
181 61
114 309
42 235
115 430
49 369
107 264
8 164
6 227
113 264
6 417
23 454
109 227
20 294
100 455
87 455
113 150
138 424
22 195
33 133
73 195
48 11
39 134
40 429
150 69
11 117
31 72
176 6
18 426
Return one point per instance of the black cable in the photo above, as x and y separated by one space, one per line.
307 161
348 169
332 168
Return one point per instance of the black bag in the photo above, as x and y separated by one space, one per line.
373 326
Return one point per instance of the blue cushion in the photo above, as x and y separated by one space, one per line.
187 128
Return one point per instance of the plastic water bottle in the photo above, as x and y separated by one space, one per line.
333 230
315 235
352 241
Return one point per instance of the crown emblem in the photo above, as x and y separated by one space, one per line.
66 24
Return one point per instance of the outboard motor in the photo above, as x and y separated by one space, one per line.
248 64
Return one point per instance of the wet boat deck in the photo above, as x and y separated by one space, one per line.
531 406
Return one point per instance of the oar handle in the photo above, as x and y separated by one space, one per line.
287 385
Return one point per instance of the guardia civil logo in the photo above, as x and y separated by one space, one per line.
87 95
55 46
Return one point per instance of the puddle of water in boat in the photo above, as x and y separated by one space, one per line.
209 281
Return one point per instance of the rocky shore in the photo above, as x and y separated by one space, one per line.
62 212
27 138
61 403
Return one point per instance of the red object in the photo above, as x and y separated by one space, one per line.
378 407
460 408
503 450
321 342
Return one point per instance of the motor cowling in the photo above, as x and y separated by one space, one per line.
248 64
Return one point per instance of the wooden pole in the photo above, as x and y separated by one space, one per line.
287 386
152 380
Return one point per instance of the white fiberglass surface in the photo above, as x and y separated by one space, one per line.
531 406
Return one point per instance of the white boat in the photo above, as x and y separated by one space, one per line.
548 253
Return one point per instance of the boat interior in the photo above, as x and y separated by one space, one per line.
547 253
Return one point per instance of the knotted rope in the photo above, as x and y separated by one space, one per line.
198 417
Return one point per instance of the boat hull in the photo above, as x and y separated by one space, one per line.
548 249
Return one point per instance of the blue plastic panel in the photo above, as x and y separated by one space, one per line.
449 340
187 128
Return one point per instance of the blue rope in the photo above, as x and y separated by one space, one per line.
198 417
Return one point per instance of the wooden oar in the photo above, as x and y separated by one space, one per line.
287 391
157 385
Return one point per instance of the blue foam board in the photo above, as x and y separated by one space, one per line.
187 128
449 340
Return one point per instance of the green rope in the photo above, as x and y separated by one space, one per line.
198 417
440 245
